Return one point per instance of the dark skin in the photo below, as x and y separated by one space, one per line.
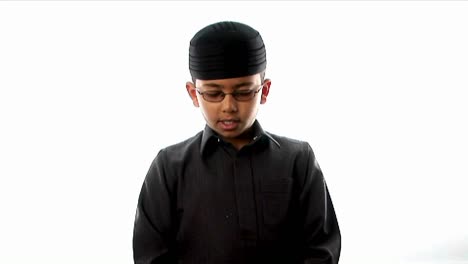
231 119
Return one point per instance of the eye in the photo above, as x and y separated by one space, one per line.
213 94
243 92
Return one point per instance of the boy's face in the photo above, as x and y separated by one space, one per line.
228 116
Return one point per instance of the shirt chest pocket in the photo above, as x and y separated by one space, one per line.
276 196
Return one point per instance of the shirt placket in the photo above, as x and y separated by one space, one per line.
245 196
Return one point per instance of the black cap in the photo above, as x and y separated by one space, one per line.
226 50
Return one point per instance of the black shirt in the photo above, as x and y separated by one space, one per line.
203 201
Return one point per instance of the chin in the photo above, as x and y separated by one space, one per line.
233 133
229 134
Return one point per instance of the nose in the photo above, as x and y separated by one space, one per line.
229 104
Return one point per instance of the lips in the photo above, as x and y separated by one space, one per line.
228 124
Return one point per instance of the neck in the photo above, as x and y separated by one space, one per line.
241 140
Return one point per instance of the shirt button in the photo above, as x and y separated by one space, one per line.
219 140
255 138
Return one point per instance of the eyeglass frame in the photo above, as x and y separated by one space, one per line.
233 94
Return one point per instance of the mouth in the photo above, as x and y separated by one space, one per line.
229 124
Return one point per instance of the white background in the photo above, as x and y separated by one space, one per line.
90 91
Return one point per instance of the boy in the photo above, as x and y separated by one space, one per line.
234 193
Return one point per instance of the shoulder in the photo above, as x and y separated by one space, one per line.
180 150
288 144
183 146
298 155
300 151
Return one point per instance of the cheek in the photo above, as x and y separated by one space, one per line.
252 108
208 110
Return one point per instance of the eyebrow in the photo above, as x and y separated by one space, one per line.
236 86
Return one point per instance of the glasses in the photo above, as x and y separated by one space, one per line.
239 95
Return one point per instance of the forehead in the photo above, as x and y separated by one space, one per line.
232 82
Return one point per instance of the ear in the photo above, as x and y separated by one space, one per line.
192 92
265 90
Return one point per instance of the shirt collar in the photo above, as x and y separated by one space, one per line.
209 136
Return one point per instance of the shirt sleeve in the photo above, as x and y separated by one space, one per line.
153 231
322 237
